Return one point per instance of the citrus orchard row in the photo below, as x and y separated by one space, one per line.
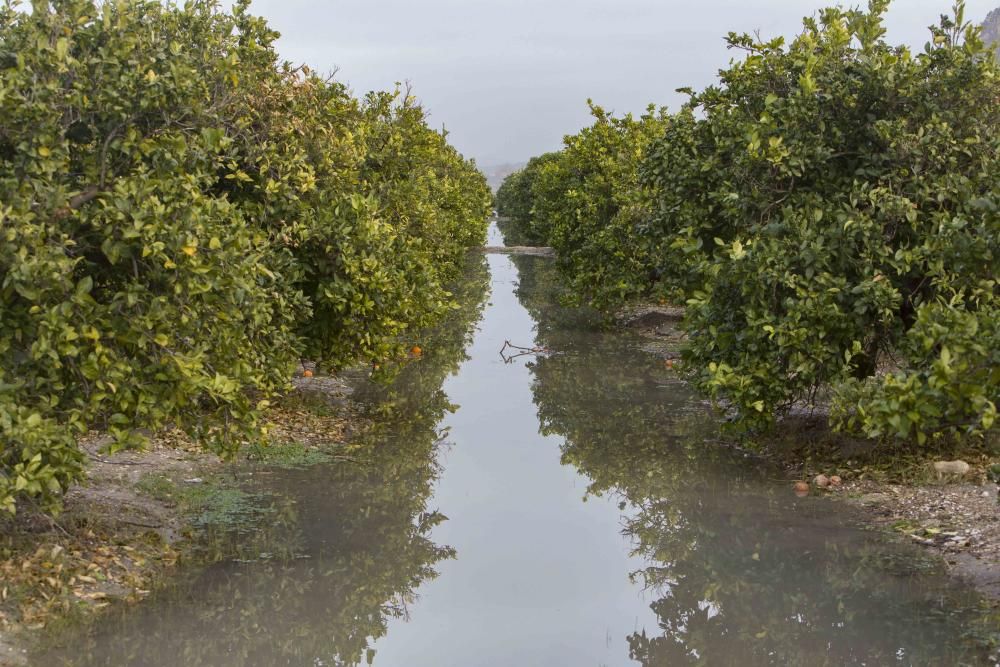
828 211
184 218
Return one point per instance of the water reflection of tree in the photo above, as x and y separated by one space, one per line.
344 561
511 235
742 572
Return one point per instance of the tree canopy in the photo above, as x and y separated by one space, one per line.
827 211
185 217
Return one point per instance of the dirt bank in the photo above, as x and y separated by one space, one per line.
135 517
112 542
537 251
958 518
959 521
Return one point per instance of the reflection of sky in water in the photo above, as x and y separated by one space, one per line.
494 238
541 578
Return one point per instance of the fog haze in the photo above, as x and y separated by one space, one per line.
509 78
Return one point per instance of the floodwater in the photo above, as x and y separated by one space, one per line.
568 507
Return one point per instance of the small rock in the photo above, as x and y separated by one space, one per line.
836 480
822 481
951 468
194 480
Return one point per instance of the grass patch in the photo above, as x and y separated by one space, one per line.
228 509
157 486
290 455
208 504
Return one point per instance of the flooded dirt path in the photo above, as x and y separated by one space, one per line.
568 507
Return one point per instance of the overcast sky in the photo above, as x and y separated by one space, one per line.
509 78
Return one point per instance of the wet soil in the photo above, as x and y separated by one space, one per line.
959 519
126 527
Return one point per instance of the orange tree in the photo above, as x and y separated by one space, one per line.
585 201
515 201
829 212
183 217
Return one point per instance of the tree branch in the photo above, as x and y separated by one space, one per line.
77 201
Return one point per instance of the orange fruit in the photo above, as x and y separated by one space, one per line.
307 374
416 351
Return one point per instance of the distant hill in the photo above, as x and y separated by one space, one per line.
497 172
991 29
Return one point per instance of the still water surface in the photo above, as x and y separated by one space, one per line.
569 508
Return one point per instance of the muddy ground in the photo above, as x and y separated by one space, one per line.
537 251
958 518
129 524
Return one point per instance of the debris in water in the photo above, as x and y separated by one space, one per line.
518 351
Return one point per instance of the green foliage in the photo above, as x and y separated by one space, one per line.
585 201
515 199
290 455
845 194
184 217
342 549
953 356
829 213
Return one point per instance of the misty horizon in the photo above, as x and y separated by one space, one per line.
509 79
